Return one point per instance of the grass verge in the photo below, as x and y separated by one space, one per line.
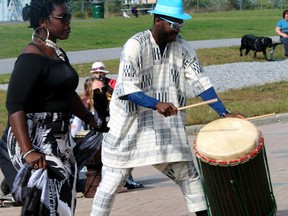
252 101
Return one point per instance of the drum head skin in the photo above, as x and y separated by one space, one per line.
227 139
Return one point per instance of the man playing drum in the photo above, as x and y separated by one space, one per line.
154 67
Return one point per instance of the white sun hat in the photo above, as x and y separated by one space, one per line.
98 67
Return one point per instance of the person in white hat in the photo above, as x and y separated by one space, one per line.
145 126
99 72
98 68
105 85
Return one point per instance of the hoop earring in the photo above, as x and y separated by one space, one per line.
36 35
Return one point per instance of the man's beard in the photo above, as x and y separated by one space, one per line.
168 37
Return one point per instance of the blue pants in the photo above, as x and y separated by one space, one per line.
285 42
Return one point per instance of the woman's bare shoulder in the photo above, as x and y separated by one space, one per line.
32 48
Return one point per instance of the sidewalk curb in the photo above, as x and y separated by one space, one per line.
281 117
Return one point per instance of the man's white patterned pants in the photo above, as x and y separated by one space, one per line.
184 174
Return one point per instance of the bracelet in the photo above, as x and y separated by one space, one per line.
28 152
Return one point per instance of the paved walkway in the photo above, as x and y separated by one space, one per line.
86 56
161 197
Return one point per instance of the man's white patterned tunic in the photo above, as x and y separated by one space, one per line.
140 136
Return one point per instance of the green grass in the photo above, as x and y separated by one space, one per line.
4 114
212 56
114 31
250 102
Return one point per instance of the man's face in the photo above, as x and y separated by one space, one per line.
169 28
99 75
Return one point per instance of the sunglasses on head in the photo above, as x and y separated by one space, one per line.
66 17
174 25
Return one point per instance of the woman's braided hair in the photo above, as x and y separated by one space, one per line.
42 9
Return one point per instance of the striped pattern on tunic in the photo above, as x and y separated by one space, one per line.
140 136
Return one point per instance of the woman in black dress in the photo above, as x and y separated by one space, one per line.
41 99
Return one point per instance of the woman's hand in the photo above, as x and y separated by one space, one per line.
36 160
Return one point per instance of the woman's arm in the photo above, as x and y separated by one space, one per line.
25 77
19 128
280 33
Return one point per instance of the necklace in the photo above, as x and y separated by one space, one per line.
53 45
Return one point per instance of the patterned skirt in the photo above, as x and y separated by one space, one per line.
49 133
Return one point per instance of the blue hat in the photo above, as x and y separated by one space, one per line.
170 8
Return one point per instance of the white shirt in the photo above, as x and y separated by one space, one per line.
140 136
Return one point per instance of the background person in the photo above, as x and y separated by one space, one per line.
282 31
134 10
98 70
145 126
96 80
105 86
41 98
8 171
25 12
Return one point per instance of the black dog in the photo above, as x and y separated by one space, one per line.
257 44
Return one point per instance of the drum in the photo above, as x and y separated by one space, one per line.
234 169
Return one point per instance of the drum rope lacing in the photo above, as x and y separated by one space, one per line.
230 162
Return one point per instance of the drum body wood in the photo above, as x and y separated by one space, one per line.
234 170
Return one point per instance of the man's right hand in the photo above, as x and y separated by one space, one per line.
166 109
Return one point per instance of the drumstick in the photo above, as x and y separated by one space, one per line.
261 116
198 104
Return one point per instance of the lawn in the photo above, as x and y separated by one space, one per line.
114 31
